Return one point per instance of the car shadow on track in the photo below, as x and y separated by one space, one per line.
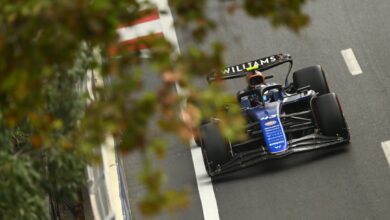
279 165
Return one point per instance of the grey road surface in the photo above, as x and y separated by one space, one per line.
351 182
177 165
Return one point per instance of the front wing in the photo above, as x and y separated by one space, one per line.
252 157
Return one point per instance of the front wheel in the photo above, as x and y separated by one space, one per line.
214 147
329 115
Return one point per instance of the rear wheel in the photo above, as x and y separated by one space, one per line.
312 76
214 147
329 115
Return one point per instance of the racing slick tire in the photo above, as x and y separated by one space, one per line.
329 115
313 76
197 140
215 148
196 132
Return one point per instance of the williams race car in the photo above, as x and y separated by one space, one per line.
281 119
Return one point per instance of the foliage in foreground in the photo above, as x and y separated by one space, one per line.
48 132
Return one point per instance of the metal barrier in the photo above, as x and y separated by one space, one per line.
123 189
98 194
108 196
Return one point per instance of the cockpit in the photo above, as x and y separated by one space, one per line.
260 95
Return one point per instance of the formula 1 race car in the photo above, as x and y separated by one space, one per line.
281 119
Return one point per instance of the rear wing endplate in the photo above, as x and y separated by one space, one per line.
239 70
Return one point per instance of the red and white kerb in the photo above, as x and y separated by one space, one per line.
143 28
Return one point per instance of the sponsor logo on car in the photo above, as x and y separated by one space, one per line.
268 117
270 123
242 67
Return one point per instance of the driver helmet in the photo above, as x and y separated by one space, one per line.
255 78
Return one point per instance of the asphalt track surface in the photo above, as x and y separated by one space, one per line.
350 182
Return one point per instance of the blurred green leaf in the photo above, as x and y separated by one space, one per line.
50 129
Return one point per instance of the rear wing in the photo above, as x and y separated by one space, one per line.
263 64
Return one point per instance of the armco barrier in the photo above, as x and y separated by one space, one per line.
123 189
106 186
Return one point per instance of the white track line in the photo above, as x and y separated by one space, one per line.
167 22
351 61
205 186
386 150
